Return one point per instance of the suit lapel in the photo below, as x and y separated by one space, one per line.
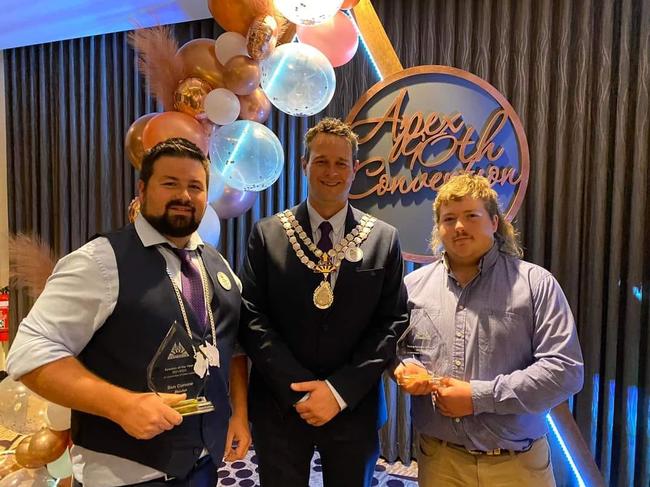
347 267
212 269
302 215
351 220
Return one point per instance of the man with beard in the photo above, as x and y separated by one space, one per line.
87 342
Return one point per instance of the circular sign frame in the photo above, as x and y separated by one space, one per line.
470 81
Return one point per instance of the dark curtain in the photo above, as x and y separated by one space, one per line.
576 72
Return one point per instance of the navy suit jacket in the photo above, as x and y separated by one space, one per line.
350 344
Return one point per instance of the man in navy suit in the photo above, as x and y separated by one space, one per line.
322 305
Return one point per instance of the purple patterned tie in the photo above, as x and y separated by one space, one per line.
192 285
325 242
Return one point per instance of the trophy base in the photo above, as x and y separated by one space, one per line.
190 407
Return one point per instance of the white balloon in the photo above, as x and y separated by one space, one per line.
298 79
210 227
21 410
61 468
222 106
28 477
229 45
308 13
57 417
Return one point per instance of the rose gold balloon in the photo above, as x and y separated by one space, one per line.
288 34
262 37
255 107
200 61
47 445
233 15
242 75
188 97
24 458
133 140
8 464
134 209
174 124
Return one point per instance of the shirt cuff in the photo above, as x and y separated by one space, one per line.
27 355
483 396
337 396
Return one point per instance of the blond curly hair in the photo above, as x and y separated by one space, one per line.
334 126
477 187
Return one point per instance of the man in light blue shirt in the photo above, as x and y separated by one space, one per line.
504 339
89 338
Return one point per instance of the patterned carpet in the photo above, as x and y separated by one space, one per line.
244 473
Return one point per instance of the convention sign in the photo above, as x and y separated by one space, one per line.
420 126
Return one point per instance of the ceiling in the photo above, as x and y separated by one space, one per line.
27 22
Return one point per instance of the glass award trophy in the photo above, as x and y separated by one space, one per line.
176 368
423 347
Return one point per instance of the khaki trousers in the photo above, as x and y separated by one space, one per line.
442 465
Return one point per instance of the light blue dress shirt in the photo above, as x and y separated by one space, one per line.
511 334
79 296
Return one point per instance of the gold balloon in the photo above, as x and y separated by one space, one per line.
174 124
262 37
255 107
242 75
200 61
133 140
23 456
233 15
47 445
288 27
134 209
188 97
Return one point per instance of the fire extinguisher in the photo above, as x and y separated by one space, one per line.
4 314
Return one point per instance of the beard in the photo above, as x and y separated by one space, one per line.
173 225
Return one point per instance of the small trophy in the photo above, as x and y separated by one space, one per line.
173 369
422 346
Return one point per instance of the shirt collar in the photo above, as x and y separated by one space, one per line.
337 220
487 261
149 236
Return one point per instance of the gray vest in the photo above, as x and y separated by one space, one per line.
122 348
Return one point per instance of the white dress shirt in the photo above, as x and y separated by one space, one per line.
338 232
79 296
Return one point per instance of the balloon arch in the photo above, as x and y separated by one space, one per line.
218 92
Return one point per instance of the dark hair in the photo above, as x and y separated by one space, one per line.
174 147
333 126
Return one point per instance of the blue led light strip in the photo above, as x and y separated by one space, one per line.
630 430
365 46
565 449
